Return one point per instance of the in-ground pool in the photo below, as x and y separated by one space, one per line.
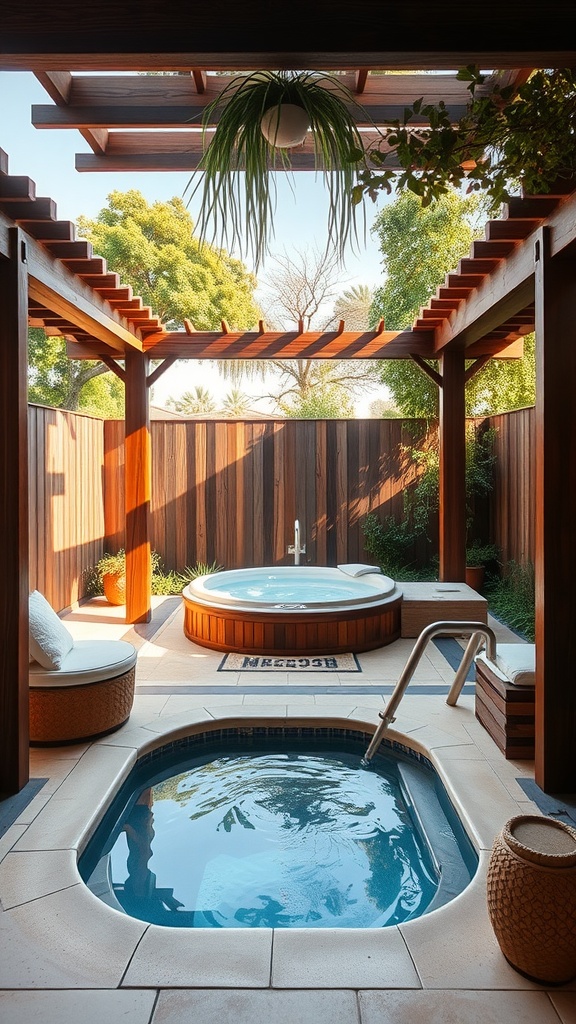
291 610
283 829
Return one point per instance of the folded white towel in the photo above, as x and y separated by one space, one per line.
359 569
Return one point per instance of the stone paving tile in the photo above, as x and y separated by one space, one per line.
69 1007
257 1007
333 958
456 1008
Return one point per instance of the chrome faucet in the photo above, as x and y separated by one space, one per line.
296 548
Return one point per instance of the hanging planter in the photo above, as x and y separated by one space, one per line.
259 118
285 125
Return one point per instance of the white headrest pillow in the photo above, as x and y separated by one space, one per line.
50 641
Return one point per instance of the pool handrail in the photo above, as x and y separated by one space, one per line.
477 631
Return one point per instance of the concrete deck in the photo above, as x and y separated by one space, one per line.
68 958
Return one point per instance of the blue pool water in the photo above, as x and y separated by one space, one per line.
279 833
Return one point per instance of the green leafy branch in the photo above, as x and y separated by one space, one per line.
510 137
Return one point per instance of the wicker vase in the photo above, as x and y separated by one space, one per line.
114 584
531 890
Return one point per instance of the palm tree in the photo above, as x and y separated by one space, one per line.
236 403
199 401
353 307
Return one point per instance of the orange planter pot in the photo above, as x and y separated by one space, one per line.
475 577
114 584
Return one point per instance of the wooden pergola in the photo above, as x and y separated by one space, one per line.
520 278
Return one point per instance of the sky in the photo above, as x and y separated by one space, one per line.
47 156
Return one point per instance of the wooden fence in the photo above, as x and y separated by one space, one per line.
229 491
512 502
66 487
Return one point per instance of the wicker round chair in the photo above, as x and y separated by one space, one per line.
90 695
79 689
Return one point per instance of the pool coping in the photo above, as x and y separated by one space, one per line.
62 936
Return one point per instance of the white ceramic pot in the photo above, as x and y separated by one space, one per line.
285 125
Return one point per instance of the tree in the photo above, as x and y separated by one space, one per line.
56 380
502 386
420 245
384 408
153 249
301 287
198 402
314 394
304 289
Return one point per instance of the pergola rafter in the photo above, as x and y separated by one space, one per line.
143 122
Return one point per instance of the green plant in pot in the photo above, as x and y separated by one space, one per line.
111 569
260 118
478 556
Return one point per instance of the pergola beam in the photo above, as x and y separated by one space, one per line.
159 46
53 286
452 475
58 85
177 151
555 501
14 525
287 344
138 489
509 287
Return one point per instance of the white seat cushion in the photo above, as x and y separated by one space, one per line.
515 663
89 661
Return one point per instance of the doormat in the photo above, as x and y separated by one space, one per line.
261 663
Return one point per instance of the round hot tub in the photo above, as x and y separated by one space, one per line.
292 610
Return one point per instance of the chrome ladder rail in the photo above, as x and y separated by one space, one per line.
477 630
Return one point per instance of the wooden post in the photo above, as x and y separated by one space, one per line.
555 558
452 518
14 517
138 489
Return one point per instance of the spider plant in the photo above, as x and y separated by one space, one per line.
238 193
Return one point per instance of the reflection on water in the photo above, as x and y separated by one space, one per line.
272 840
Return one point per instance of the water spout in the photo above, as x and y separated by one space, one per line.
296 548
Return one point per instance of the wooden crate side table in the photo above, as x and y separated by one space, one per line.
424 603
506 710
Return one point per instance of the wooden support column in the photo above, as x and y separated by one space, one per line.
452 519
138 489
14 517
555 559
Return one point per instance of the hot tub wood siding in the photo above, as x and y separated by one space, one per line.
250 632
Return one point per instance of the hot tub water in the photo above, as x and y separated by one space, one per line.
277 836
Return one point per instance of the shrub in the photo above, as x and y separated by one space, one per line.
164 582
390 542
511 598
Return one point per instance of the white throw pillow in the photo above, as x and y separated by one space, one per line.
50 641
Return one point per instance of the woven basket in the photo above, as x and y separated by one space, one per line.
67 714
114 584
531 890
